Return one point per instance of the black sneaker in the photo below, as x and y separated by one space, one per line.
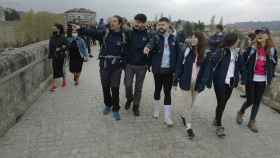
220 131
190 133
90 56
128 104
243 96
136 112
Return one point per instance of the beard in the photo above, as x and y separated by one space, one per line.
161 30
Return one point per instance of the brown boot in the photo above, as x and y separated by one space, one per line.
239 117
252 126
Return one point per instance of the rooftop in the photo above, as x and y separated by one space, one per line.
80 10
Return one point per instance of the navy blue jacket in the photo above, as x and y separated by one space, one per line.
250 57
184 71
113 43
138 39
156 44
220 64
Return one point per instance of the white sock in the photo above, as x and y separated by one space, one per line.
189 126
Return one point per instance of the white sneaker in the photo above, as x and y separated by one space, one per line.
168 115
156 104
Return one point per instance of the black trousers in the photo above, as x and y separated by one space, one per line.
163 81
254 94
222 95
58 67
110 80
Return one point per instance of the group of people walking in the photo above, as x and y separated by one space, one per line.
188 64
62 47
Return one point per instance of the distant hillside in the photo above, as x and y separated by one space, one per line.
272 25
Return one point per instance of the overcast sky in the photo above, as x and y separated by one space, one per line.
194 10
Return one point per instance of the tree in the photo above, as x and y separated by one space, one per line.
187 28
11 14
212 23
156 18
170 17
200 26
221 21
35 27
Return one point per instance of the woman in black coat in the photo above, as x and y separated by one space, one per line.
78 53
57 53
227 65
190 70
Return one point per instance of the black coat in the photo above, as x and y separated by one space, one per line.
220 65
137 41
57 46
112 44
156 44
184 71
250 57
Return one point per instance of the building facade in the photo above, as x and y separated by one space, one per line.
81 16
2 14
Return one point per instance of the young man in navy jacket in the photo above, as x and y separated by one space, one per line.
163 49
136 63
112 61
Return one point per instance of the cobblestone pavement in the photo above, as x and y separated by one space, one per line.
69 124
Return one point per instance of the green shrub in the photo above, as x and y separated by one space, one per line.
36 26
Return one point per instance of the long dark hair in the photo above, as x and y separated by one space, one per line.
60 29
120 19
268 44
201 46
229 40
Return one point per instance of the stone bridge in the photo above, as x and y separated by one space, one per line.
35 123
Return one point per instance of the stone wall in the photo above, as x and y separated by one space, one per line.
272 95
24 75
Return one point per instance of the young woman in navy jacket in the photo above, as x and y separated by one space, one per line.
189 75
261 61
227 64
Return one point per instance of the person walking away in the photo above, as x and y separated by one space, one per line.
57 53
261 60
216 40
163 50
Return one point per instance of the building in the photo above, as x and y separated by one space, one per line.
2 14
81 16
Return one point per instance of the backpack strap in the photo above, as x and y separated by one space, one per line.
220 59
105 37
